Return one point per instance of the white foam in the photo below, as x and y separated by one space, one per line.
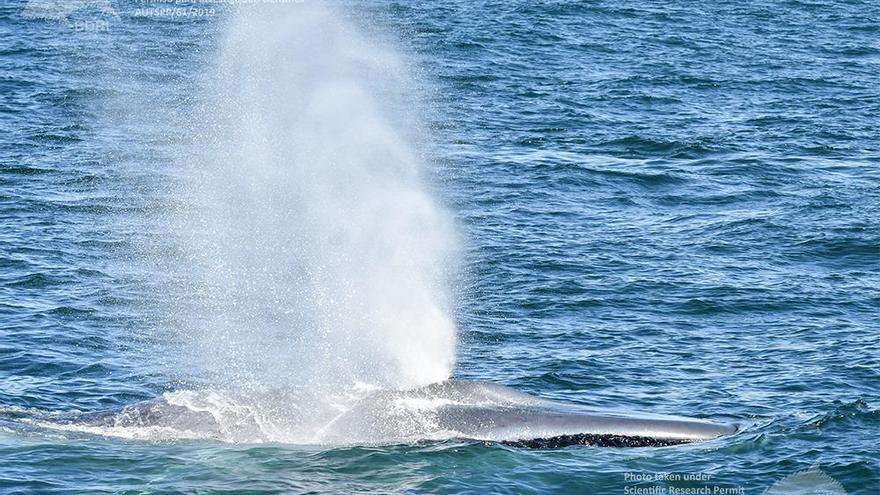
148 433
421 403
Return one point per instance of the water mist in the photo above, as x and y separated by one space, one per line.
312 251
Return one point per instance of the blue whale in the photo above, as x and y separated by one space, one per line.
490 412
452 409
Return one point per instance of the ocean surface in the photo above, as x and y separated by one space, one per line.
667 207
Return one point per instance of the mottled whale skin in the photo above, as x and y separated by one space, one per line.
451 409
490 412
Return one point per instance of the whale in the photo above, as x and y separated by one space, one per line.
453 409
496 413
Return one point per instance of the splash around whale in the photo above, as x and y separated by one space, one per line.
447 410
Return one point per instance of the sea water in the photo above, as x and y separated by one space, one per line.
663 207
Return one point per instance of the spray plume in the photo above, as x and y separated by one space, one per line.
314 252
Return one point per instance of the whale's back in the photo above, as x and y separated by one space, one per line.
451 409
490 412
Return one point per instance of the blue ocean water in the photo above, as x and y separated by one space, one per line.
666 206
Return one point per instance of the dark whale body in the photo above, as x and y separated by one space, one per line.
451 409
